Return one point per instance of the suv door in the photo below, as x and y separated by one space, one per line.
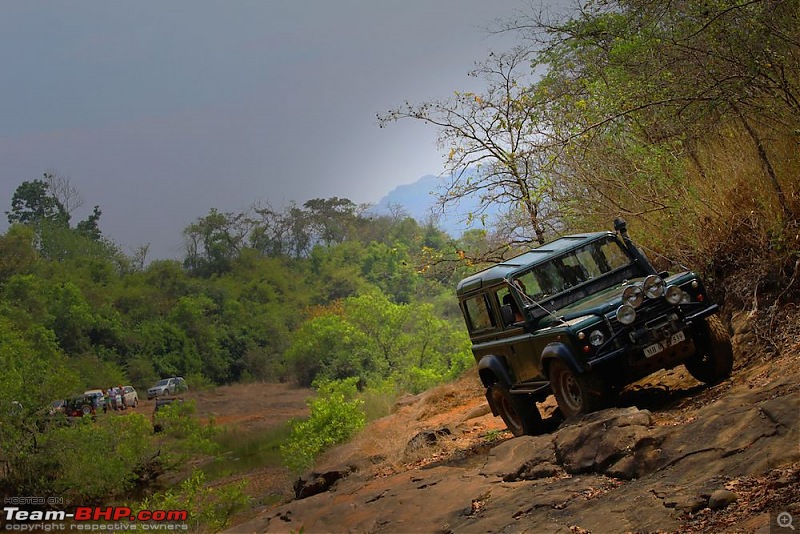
515 342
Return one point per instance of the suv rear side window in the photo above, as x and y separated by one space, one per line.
478 315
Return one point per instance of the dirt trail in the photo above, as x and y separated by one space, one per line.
251 407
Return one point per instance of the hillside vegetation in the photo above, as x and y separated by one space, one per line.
684 119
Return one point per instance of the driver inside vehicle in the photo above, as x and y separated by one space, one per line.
509 301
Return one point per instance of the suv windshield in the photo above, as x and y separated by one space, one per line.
163 382
574 268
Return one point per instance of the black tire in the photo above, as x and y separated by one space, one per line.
576 394
86 409
518 412
136 403
713 361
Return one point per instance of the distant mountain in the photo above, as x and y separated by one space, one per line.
418 199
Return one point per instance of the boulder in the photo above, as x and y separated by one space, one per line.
523 458
315 483
722 498
619 442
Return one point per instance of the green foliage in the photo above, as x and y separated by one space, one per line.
96 373
176 421
92 462
34 370
213 242
17 252
210 508
338 297
493 435
416 380
373 338
336 416
33 203
90 227
141 372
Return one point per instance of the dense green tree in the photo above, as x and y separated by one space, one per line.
214 241
332 220
336 271
18 253
34 373
390 268
372 338
90 227
33 203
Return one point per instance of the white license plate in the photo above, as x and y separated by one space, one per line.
655 348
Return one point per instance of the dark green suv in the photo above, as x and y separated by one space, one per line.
581 317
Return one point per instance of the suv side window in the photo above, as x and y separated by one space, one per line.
478 315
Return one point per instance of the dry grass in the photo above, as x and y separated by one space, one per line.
725 220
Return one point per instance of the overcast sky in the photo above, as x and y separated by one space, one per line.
158 111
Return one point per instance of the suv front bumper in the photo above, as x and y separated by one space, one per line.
637 347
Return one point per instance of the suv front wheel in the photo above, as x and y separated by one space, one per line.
713 362
520 417
575 394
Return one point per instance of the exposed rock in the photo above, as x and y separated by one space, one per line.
316 483
684 501
617 470
478 411
618 442
523 458
722 498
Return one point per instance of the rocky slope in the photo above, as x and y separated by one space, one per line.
671 456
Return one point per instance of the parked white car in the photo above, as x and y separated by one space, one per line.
167 386
130 398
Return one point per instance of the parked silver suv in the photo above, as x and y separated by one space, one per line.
167 386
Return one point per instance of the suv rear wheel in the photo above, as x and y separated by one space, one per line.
518 412
714 359
575 394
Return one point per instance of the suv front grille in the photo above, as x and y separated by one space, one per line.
651 314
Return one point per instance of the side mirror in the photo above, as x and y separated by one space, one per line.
507 314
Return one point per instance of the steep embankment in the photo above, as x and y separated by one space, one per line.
673 455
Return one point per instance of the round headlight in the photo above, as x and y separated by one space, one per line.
626 314
653 286
674 295
633 295
596 338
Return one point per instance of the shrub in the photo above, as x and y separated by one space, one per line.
91 462
210 508
336 415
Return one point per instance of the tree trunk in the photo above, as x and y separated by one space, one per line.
762 154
